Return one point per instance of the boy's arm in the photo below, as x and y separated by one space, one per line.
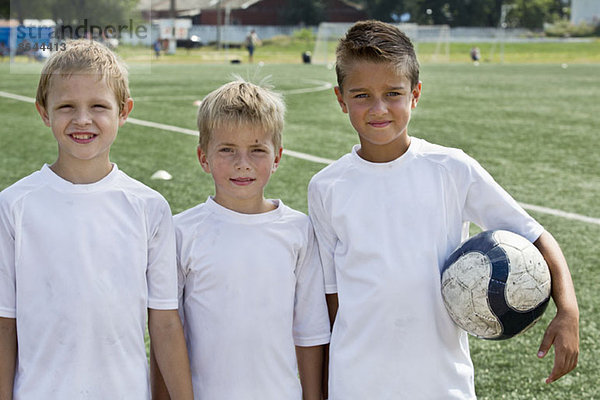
563 331
332 307
8 349
157 383
168 347
310 365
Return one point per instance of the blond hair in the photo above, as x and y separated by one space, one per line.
240 102
378 42
85 56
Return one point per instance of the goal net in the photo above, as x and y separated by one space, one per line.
437 37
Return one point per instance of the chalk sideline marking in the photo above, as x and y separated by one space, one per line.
309 157
320 86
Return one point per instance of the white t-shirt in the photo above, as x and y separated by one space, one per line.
251 287
80 266
384 231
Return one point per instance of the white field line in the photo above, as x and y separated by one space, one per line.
163 127
559 213
309 157
320 86
17 97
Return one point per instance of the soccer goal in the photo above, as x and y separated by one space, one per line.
329 34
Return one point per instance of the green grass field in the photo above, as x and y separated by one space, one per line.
533 126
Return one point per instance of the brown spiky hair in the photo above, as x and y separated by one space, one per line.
85 56
378 42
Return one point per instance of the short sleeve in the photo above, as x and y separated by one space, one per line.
325 235
181 274
161 272
311 319
488 205
7 263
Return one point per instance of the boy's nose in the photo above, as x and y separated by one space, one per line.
378 107
242 162
82 117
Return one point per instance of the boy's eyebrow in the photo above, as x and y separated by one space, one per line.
226 144
259 144
401 87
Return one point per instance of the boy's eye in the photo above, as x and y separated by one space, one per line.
392 94
360 96
225 150
100 106
258 150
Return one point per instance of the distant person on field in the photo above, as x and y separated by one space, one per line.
475 55
3 51
157 46
88 253
252 41
251 288
386 218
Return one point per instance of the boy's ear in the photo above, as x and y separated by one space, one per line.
43 113
340 99
278 155
416 94
203 160
125 111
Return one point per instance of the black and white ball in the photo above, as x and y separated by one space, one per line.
496 285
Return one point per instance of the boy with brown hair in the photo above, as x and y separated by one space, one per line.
386 218
88 253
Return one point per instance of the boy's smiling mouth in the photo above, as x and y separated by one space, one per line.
83 137
242 181
379 124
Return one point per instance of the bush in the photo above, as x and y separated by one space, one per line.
564 28
304 34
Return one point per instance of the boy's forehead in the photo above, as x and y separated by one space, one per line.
61 77
240 133
64 78
365 71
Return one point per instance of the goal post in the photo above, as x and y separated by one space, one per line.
329 34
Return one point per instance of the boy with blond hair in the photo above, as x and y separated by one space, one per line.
386 218
88 253
252 296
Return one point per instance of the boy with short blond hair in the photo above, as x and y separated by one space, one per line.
88 253
386 218
251 285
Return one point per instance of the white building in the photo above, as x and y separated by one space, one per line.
585 11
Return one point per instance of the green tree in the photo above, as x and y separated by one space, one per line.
455 12
385 10
308 12
99 13
4 9
524 13
532 14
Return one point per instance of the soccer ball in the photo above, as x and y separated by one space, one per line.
496 285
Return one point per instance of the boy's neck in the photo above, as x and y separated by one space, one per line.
83 172
250 206
384 153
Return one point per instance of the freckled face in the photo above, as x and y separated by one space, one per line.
379 101
241 160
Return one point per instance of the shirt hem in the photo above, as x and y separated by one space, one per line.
312 342
163 305
8 313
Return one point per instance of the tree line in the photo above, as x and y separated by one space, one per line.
530 14
486 13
